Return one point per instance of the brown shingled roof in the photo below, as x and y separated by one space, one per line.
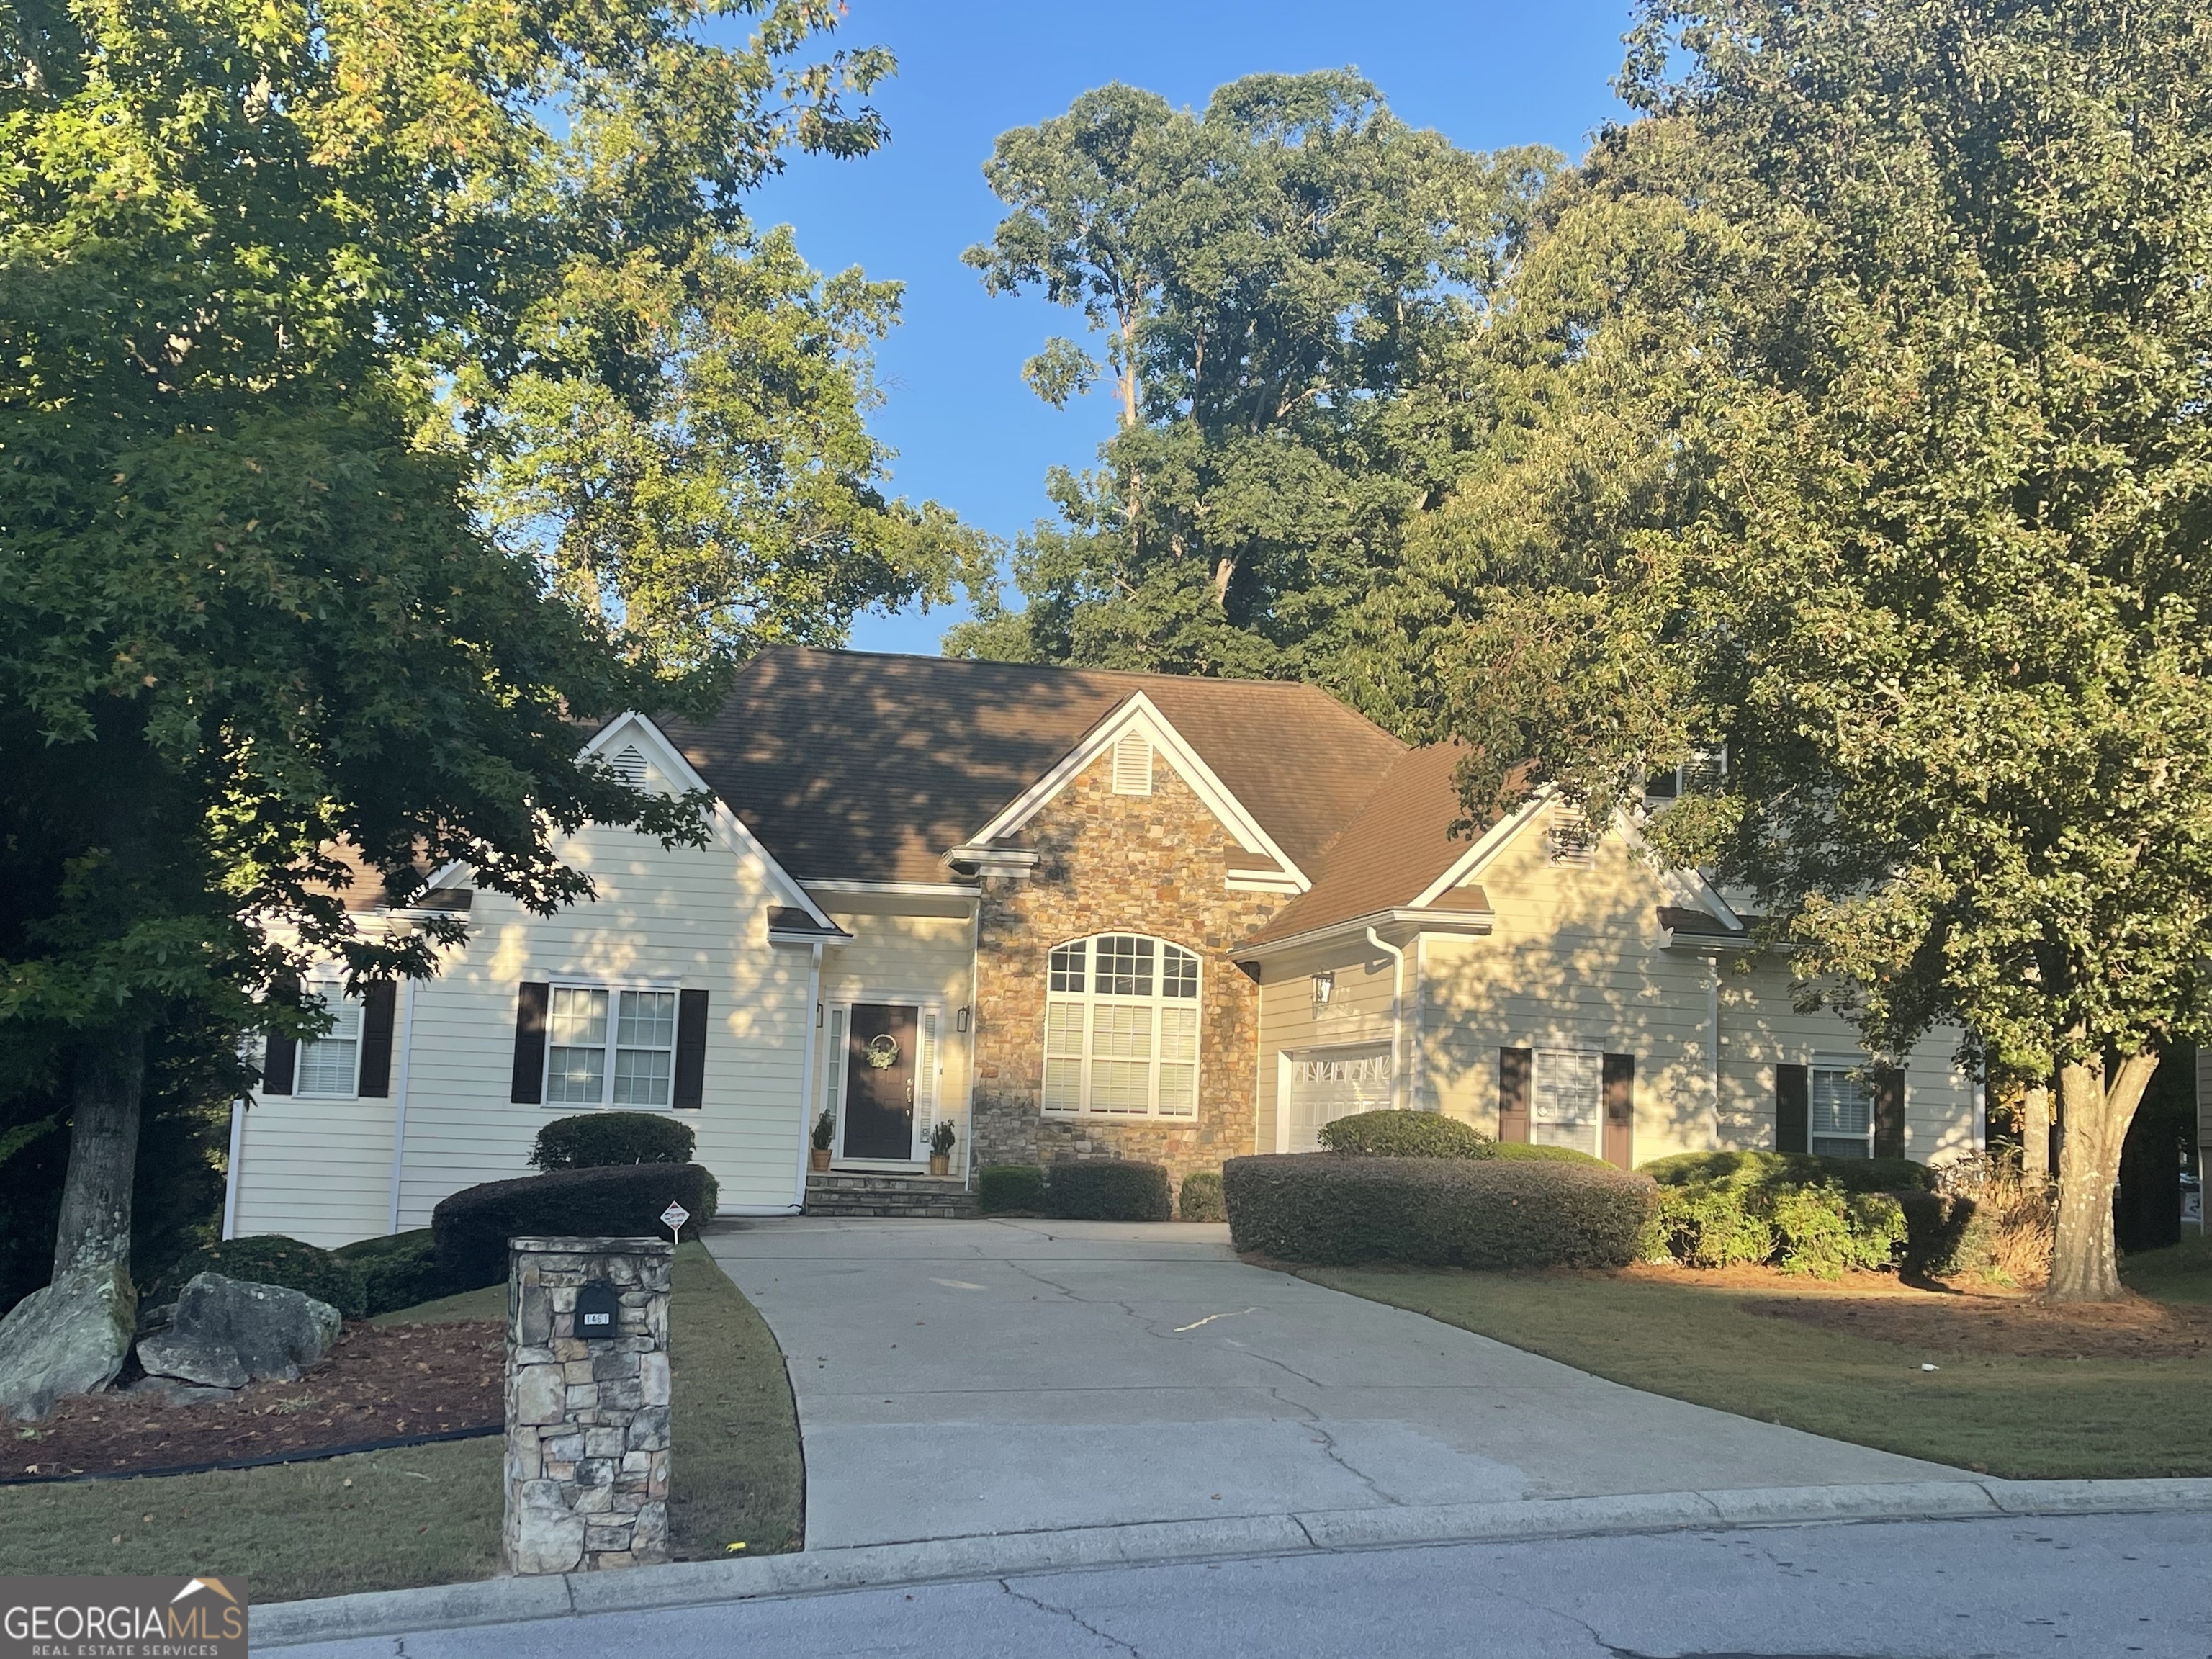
1398 844
868 768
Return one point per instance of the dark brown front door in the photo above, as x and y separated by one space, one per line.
879 1082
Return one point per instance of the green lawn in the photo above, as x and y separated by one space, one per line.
2019 1417
430 1514
2182 1273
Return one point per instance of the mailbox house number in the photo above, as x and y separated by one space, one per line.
599 1311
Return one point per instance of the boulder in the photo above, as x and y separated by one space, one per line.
69 1338
229 1332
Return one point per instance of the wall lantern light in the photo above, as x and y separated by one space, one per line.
960 1020
1324 987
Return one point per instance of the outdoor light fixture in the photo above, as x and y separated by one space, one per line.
1324 987
960 1020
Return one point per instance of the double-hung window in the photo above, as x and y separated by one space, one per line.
1842 1108
1566 1103
329 1065
1120 1030
609 1047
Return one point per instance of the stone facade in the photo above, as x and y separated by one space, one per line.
1107 863
586 1422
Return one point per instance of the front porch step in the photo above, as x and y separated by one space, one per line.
871 1193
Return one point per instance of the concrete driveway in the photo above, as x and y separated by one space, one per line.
960 1378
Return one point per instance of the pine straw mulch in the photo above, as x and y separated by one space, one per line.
377 1383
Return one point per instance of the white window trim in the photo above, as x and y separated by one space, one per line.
330 991
1863 1069
614 988
929 1102
1091 1000
1596 1146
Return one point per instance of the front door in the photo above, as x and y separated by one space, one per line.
879 1082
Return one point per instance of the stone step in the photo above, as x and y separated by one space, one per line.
857 1194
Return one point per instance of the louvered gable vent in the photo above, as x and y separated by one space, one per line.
629 767
1133 765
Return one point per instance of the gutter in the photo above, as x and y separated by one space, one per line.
1426 920
1397 1011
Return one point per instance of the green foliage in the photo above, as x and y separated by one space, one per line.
1285 283
1108 1189
1853 1175
1404 1135
941 1138
1441 1212
1009 1189
588 1140
471 1227
1530 1149
1710 1226
1200 1199
272 1259
398 1270
825 1131
1799 1221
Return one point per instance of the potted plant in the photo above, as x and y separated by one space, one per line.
825 1131
941 1148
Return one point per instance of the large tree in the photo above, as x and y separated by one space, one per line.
255 259
1861 427
1285 284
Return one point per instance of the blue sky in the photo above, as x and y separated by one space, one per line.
969 433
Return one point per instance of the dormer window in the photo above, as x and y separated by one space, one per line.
1704 770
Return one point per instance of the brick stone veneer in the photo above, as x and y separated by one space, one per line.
1107 863
586 1422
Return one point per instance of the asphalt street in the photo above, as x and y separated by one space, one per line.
2109 1586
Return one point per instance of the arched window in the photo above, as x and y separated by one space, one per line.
1120 1029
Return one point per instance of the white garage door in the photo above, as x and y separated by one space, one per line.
1324 1084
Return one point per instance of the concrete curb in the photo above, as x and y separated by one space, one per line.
689 1584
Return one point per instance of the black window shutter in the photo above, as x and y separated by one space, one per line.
1620 1109
1514 1065
281 1059
1793 1109
531 1000
690 1051
378 1003
1888 1112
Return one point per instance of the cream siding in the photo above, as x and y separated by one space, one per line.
695 917
927 961
1293 1025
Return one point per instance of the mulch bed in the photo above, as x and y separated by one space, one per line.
377 1383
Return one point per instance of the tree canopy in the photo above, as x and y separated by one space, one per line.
1856 420
1286 284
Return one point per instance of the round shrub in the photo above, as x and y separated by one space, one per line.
473 1226
1108 1189
1010 1190
398 1270
1200 1199
1853 1175
596 1140
1535 1151
272 1259
1815 1227
1438 1212
1404 1135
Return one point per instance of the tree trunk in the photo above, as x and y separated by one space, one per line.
95 1232
2035 1133
2084 1267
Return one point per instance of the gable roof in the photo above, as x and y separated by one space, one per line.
851 765
1394 847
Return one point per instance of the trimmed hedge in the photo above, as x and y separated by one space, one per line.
1010 1187
1853 1175
598 1141
473 1226
1438 1212
1404 1135
1200 1199
272 1259
398 1270
1815 1227
1535 1151
1108 1189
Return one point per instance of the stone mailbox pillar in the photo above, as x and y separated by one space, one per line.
586 1403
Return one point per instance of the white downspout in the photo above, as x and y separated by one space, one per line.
1397 1011
406 1043
230 1175
1417 1059
807 1074
1713 1041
